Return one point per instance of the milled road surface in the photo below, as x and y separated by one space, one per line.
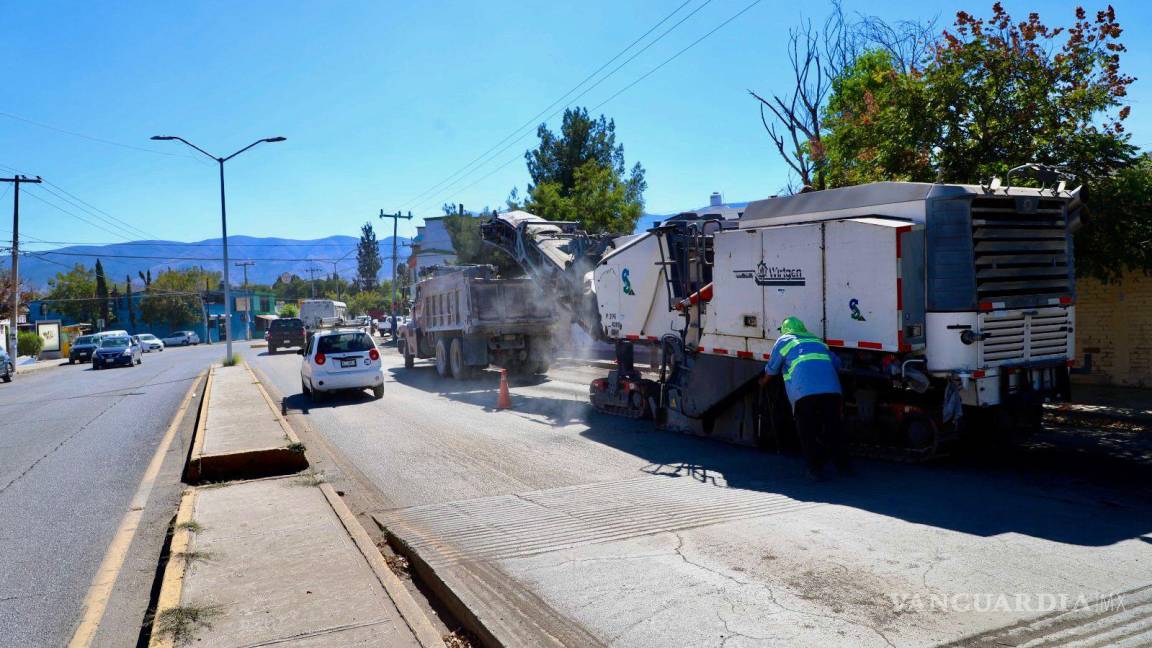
74 444
571 527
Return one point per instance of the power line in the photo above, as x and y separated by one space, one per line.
90 137
159 243
164 258
78 217
532 121
622 90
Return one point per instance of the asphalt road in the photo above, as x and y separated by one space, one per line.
74 444
741 546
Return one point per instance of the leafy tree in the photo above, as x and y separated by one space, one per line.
583 157
175 295
73 295
997 93
131 305
470 248
289 310
26 293
368 260
102 295
369 300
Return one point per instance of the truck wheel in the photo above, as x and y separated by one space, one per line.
541 367
456 357
443 367
409 361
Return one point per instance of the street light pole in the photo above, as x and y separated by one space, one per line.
223 226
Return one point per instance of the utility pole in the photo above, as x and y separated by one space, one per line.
12 333
248 297
336 276
395 222
312 275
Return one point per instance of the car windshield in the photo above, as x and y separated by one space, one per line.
84 339
287 324
114 343
344 342
147 336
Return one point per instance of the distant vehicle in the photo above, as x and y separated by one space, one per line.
9 369
181 338
340 359
150 343
314 311
285 332
83 348
117 350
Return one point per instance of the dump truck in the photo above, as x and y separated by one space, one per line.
951 307
467 319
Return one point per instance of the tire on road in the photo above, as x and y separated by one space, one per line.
378 392
456 359
443 366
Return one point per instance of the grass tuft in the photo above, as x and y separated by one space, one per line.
310 478
296 447
191 525
231 361
190 557
180 623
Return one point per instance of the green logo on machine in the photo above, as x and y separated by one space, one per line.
627 283
854 304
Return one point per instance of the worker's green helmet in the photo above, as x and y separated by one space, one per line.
792 326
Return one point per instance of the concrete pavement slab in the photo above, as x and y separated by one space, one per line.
270 562
242 435
660 561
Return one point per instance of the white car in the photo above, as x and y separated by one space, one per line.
150 342
181 338
340 359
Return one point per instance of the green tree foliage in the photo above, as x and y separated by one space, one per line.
289 310
368 260
996 93
369 300
174 297
103 312
74 295
470 248
131 305
29 343
579 174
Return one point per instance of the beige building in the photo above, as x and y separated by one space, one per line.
1114 331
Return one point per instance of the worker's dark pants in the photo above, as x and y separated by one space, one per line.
820 426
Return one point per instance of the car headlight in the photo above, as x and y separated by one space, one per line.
127 352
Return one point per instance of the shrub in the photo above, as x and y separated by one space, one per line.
29 343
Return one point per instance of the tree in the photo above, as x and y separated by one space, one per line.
28 343
583 157
469 246
995 94
27 295
73 295
131 305
368 258
369 300
102 295
175 296
289 310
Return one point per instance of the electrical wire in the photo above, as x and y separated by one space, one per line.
534 120
90 137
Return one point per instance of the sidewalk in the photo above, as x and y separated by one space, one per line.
274 561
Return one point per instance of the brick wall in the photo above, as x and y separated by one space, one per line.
1114 331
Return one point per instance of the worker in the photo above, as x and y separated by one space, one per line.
813 386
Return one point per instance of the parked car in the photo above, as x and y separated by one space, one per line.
150 343
181 338
117 350
83 348
285 332
7 368
341 359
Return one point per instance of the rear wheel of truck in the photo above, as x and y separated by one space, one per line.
442 365
456 358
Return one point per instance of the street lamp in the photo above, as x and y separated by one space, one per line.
223 227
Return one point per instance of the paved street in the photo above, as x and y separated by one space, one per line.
74 444
600 530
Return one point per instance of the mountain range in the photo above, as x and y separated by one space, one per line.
271 257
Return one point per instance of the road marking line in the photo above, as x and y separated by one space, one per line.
96 601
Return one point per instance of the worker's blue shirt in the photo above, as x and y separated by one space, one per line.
807 365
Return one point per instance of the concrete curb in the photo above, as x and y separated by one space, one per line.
415 618
172 584
247 464
40 366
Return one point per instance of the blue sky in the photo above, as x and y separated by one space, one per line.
380 101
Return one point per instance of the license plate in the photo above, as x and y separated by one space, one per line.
348 362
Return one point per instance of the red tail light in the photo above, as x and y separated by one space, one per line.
320 358
374 354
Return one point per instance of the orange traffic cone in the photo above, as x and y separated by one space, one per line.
505 399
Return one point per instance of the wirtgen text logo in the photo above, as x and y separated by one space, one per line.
1030 602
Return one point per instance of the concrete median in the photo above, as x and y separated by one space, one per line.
240 433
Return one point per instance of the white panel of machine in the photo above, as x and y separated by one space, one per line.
791 276
862 271
737 306
945 350
631 292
